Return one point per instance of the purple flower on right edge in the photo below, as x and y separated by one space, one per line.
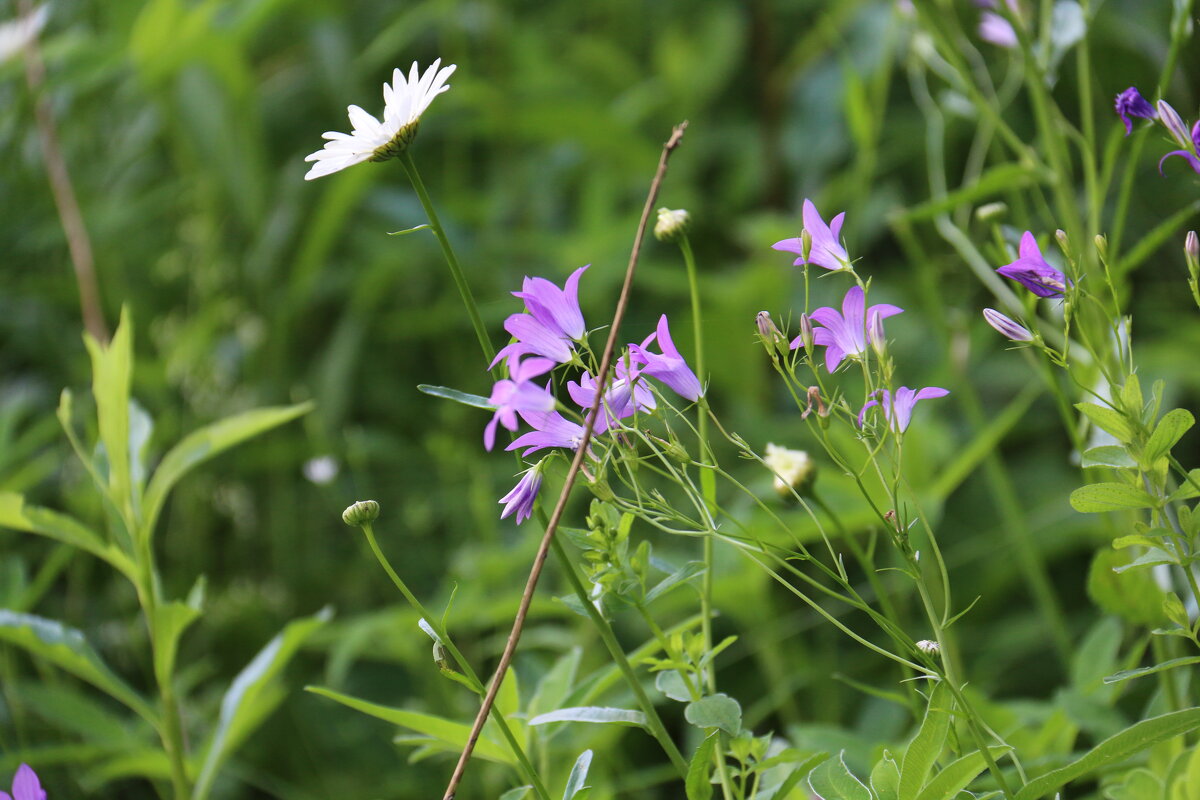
1032 271
25 785
1187 155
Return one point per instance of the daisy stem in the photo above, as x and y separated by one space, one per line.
708 482
460 280
435 624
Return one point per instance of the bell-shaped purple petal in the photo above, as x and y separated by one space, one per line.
521 499
825 248
1130 104
1185 155
1033 272
557 309
669 366
550 429
847 333
898 409
514 396
26 785
537 339
1006 326
625 394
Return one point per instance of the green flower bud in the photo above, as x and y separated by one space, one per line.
672 224
361 513
991 212
772 338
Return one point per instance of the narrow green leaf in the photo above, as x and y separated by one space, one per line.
1108 420
1101 497
453 734
699 782
1108 456
1167 433
797 775
575 781
407 231
67 649
716 711
676 578
1114 749
170 621
473 400
253 694
201 445
958 774
1187 489
598 714
1152 558
832 780
112 375
1128 674
44 522
927 745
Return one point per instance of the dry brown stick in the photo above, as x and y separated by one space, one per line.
576 464
78 243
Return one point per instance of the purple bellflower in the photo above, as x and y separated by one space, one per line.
898 410
826 249
1033 272
1007 327
994 28
533 338
846 334
625 394
25 785
518 394
557 309
668 366
1131 104
550 429
1188 155
520 500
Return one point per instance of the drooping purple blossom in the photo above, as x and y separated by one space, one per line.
557 309
25 785
550 429
520 393
1130 104
625 394
1033 272
1188 155
1007 327
846 334
521 499
668 366
898 410
826 248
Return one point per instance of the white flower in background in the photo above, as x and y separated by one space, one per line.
18 33
794 469
321 470
404 101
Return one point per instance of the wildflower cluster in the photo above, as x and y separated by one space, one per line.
1130 105
550 333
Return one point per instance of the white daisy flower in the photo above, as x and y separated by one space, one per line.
404 101
15 35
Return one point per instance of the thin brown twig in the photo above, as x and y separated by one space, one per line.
78 243
539 560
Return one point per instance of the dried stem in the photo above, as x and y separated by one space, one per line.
539 560
78 243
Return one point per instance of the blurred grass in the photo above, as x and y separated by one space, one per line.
185 124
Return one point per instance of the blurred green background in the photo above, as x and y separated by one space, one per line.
185 124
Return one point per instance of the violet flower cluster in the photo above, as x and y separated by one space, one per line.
548 335
1130 105
1032 271
847 333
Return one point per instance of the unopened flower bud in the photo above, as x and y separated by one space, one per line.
674 450
672 224
878 338
1191 252
805 244
1171 120
770 335
361 513
1007 327
991 212
1064 243
807 336
794 470
1101 242
929 647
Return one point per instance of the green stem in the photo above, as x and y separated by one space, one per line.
653 721
531 774
460 280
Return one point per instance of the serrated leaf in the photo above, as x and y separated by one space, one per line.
699 783
1107 420
68 650
1100 497
575 781
1129 674
597 714
1110 455
832 780
927 745
715 711
446 393
201 445
253 694
1114 749
1167 433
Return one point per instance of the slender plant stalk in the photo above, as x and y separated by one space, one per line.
560 506
531 774
460 280
79 244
